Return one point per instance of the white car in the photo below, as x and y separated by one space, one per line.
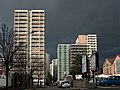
64 84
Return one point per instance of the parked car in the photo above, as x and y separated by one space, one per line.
63 84
99 79
111 80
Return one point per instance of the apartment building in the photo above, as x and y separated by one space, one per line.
90 39
79 49
29 36
63 60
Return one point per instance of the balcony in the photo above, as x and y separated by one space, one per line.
23 17
36 18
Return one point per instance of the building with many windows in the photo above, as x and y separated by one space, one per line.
90 39
63 60
79 49
29 36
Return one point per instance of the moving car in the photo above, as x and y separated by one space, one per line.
63 84
111 80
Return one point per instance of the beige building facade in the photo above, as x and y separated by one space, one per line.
29 28
112 66
107 66
90 39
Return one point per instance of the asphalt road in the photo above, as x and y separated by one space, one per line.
72 88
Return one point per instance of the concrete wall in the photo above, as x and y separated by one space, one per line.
2 82
83 84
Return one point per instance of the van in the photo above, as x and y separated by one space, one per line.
111 80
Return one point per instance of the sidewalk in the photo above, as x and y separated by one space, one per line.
55 88
74 88
11 88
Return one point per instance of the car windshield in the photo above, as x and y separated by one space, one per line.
105 78
101 78
112 77
65 82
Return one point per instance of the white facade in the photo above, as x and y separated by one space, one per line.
55 69
63 60
92 40
51 69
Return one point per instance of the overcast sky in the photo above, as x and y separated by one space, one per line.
66 19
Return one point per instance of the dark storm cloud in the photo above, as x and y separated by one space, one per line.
66 19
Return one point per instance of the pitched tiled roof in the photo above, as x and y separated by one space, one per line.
111 60
118 55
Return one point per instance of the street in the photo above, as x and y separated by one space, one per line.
71 88
74 88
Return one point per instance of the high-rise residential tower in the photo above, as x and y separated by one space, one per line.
79 49
63 60
29 28
90 39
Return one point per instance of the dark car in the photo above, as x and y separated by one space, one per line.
111 80
99 79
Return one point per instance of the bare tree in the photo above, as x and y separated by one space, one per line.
20 66
8 52
6 47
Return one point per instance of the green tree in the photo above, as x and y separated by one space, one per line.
76 67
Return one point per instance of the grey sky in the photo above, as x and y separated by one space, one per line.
66 19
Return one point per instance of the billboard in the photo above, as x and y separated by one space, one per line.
93 62
84 64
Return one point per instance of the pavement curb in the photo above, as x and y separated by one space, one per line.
77 89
